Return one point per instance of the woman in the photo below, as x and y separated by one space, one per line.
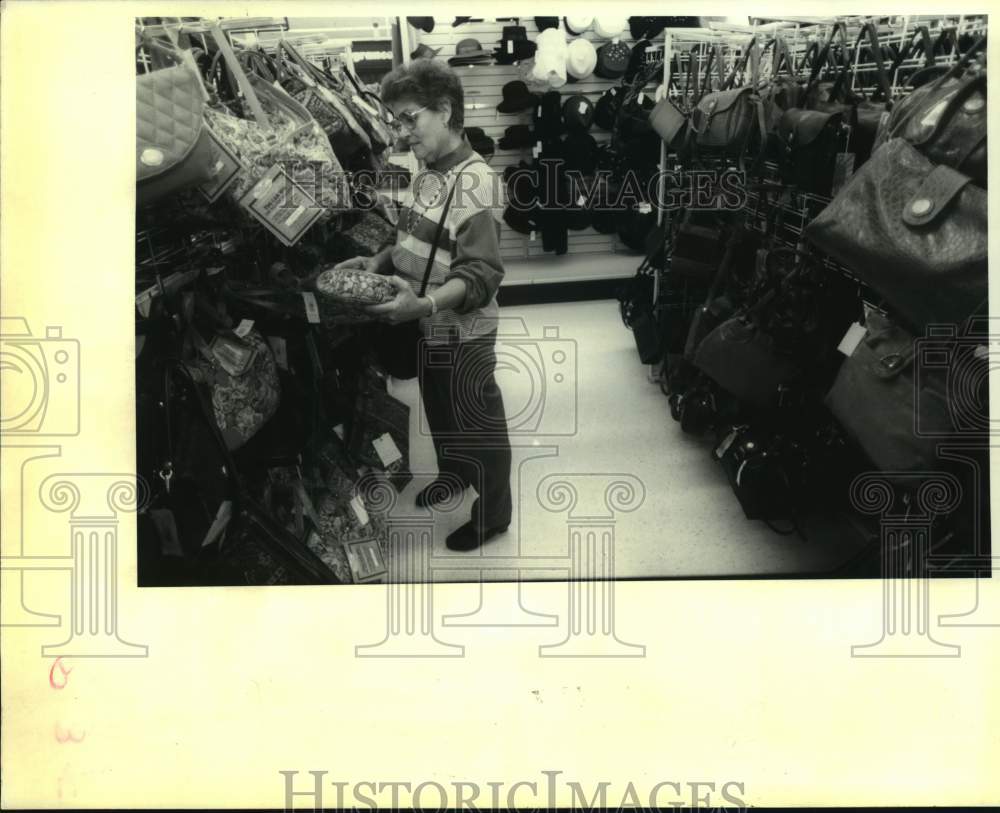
458 314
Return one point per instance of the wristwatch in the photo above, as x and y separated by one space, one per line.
434 304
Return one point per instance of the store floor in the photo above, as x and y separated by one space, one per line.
682 519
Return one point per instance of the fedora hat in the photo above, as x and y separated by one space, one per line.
516 97
514 46
581 59
577 25
479 141
424 52
469 51
517 136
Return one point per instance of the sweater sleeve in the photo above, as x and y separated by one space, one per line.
477 260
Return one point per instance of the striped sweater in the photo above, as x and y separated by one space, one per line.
469 247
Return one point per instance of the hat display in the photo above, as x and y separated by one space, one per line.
606 108
479 141
517 136
517 97
425 24
578 113
551 38
612 60
514 46
581 59
577 25
608 27
542 23
470 52
424 52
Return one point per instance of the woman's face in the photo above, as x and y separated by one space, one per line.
428 134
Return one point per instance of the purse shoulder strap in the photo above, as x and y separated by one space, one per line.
440 226
246 89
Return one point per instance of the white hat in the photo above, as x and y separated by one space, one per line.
577 25
609 27
551 39
549 70
581 58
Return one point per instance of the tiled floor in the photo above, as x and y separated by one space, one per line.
673 515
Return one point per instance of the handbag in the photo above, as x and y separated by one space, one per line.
173 146
915 232
724 119
669 120
397 347
717 307
946 119
765 472
874 399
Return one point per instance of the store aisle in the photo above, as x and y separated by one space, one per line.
688 523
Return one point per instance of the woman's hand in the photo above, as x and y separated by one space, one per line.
404 307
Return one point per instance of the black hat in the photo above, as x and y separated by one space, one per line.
581 152
637 59
522 185
577 217
607 108
578 113
468 52
480 142
612 60
634 226
554 223
424 52
517 97
425 24
522 221
517 136
548 116
546 22
514 46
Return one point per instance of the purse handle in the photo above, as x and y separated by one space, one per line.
236 70
883 80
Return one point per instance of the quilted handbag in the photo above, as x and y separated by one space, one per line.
946 119
173 146
242 377
874 398
724 119
915 232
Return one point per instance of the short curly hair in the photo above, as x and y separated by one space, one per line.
427 82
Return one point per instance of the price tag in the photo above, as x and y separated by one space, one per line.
387 450
645 208
726 443
280 350
855 333
312 307
538 114
510 46
615 40
243 328
359 510
580 201
338 430
581 108
641 97
531 237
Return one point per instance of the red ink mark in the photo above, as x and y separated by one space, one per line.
68 736
65 675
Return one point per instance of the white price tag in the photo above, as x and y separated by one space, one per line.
580 201
581 108
641 97
359 510
615 40
510 46
312 307
531 237
387 450
855 333
243 328
280 350
295 215
645 208
338 430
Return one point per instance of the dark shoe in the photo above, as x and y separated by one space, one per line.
470 537
438 491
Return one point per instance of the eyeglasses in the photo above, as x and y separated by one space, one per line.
407 120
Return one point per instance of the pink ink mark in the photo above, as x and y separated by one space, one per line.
65 675
62 738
